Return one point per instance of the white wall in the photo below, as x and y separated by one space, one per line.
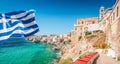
93 27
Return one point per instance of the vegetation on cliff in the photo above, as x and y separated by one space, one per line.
66 61
85 54
80 37
118 59
88 33
102 45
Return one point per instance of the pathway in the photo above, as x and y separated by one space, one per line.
103 59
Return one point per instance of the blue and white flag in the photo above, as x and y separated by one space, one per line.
17 24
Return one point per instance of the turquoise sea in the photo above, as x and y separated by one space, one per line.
21 51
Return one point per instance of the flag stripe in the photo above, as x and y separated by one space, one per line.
22 15
28 21
24 31
29 25
31 13
18 31
17 35
33 26
31 33
8 33
28 17
6 37
18 25
14 13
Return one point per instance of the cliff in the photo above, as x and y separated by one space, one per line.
86 44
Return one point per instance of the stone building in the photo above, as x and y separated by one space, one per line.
110 24
82 25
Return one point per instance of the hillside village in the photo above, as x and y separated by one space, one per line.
96 34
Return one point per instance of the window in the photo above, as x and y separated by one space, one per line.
111 19
86 28
81 34
75 28
117 11
78 22
82 22
81 28
90 22
114 16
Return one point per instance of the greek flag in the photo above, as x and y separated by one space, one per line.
17 24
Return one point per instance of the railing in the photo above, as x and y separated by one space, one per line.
90 59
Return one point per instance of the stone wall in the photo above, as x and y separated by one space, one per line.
111 26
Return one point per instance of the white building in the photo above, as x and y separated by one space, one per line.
93 27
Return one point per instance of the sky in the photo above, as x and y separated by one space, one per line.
57 16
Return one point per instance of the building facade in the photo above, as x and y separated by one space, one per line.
82 25
110 24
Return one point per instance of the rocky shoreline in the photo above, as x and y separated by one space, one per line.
60 42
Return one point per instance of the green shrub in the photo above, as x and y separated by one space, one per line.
105 45
88 33
101 45
69 40
80 52
80 37
66 61
101 31
118 59
83 55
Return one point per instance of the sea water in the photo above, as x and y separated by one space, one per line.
21 51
